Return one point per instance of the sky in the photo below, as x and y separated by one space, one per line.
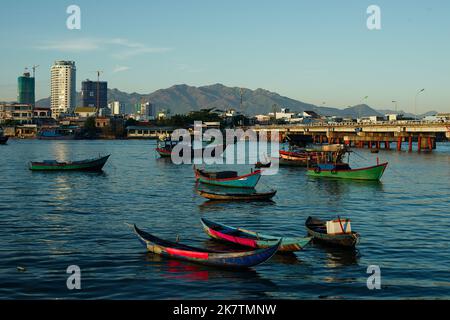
318 52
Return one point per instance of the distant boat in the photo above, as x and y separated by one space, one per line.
375 150
165 147
57 134
3 138
252 239
228 178
175 250
318 230
343 171
254 196
84 165
308 156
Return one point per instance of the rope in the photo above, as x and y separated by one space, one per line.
390 168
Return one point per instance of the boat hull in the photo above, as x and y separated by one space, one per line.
91 165
252 239
340 240
248 181
178 251
3 140
237 197
371 174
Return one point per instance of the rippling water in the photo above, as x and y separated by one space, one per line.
49 221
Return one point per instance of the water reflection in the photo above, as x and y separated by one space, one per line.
341 187
337 257
177 269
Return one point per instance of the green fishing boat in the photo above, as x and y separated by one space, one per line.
84 165
343 171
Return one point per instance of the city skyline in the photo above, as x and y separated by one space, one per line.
319 54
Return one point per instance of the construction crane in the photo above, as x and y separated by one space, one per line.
34 70
98 72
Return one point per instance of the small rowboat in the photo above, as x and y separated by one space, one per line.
251 239
84 165
3 139
318 230
259 165
343 171
228 179
245 259
254 196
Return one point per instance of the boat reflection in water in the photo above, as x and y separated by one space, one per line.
241 279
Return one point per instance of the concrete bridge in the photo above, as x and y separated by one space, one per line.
372 135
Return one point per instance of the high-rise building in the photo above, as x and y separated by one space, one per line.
25 89
63 88
117 108
94 94
148 111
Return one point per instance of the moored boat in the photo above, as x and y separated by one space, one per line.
174 250
343 171
68 133
229 179
319 230
84 165
165 147
252 239
253 196
295 157
3 138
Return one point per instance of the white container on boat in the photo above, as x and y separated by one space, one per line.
336 227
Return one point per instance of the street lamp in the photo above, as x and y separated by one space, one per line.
415 103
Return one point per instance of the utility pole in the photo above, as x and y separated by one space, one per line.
415 103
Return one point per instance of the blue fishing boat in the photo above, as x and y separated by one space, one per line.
175 250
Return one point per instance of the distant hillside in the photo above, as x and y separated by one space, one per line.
181 99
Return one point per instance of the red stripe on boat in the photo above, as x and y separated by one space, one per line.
242 241
189 254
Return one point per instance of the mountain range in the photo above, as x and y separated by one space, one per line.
181 99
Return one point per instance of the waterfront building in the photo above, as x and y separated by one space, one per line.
102 122
85 112
26 89
17 113
145 132
94 94
63 88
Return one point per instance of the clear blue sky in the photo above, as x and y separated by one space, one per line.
313 51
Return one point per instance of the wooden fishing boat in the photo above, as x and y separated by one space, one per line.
318 230
254 196
260 165
374 150
296 157
245 259
343 171
228 179
165 148
84 165
252 239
